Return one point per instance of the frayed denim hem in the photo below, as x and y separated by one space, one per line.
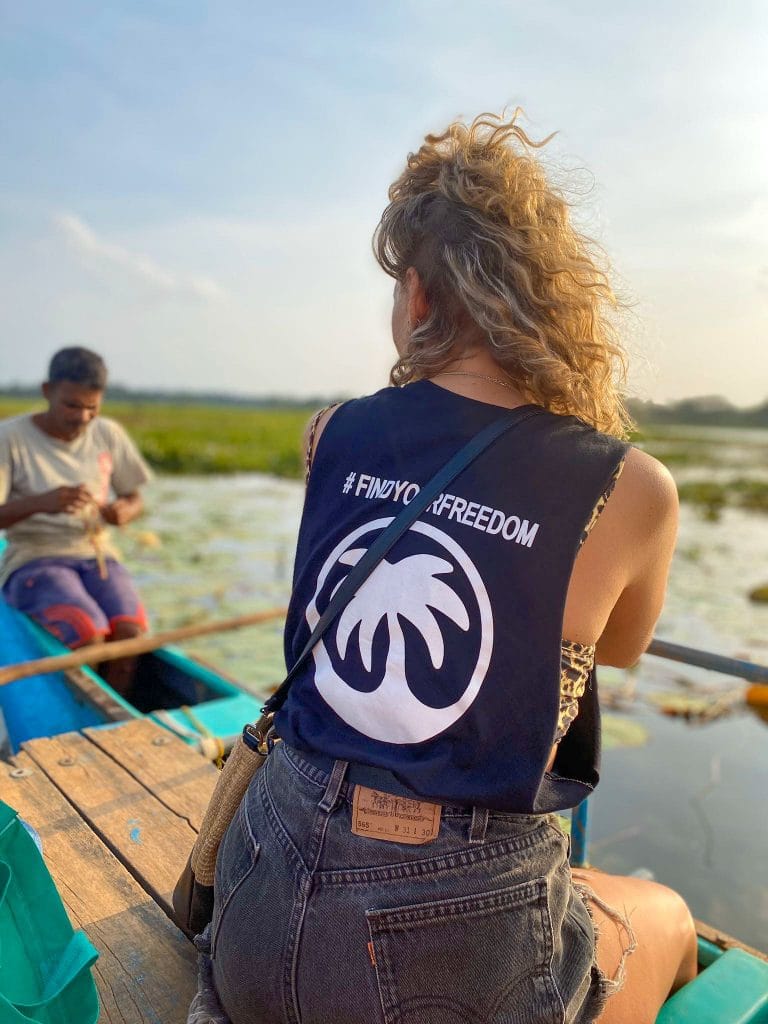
604 987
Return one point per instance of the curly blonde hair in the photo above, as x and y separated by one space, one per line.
494 247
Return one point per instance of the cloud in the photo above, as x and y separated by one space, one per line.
141 268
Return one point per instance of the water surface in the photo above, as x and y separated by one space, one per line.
687 804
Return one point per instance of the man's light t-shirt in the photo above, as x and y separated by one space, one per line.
103 458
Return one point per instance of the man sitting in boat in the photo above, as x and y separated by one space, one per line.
64 474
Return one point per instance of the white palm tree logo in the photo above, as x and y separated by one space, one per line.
408 589
412 581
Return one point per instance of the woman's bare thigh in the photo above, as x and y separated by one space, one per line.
661 936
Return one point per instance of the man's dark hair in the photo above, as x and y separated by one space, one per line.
78 366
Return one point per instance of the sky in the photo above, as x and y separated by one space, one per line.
190 188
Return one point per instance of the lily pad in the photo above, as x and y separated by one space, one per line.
620 731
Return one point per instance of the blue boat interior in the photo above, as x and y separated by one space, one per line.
168 686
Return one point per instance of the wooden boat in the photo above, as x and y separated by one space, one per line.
169 685
731 987
197 703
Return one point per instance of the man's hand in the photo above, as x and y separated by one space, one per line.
122 510
63 499
60 499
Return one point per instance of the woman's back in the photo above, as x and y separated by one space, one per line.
434 696
445 667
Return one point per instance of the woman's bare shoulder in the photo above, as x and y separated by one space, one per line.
646 480
643 507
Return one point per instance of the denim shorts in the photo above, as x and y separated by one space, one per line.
313 924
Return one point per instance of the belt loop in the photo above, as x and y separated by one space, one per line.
333 787
479 825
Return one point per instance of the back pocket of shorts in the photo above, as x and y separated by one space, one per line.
480 959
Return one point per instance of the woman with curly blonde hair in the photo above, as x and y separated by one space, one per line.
397 858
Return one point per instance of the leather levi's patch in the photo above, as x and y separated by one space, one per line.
395 819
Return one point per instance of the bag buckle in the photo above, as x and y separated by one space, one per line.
258 736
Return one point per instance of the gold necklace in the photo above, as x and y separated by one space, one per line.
482 376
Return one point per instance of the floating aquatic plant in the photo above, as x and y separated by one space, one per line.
696 707
620 731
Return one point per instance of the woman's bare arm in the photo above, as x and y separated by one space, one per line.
619 580
649 508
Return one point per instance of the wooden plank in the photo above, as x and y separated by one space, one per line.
145 973
149 839
724 941
96 696
169 768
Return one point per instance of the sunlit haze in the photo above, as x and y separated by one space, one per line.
190 189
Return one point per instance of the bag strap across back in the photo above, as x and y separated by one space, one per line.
360 572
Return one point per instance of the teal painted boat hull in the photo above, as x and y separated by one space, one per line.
733 989
168 681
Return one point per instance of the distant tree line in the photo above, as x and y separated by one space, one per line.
118 393
709 410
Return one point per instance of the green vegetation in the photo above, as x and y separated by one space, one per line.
184 437
732 460
712 497
706 410
207 439
676 450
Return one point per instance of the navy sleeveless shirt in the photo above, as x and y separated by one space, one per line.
445 667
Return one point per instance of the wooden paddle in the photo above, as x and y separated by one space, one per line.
126 648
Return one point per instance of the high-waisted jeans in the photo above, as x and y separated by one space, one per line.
313 924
